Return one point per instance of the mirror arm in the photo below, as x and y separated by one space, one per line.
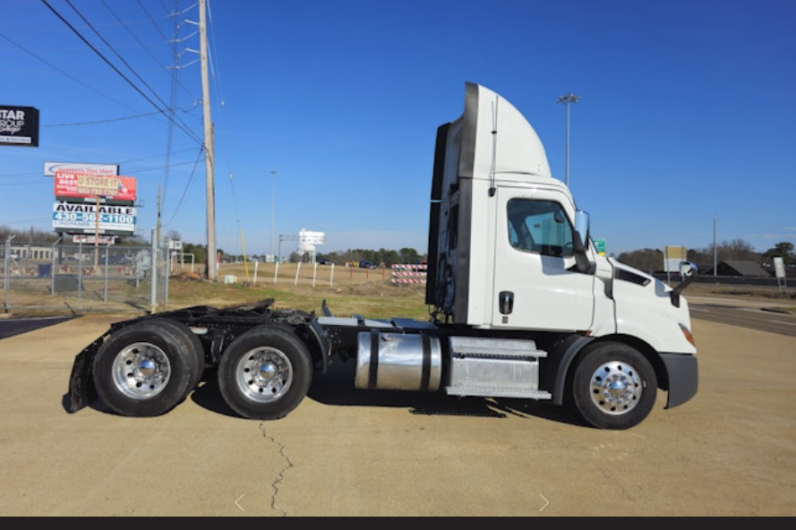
689 271
582 262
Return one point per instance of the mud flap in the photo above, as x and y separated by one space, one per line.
81 383
683 376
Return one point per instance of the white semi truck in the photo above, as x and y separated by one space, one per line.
521 306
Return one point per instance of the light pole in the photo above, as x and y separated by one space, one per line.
273 204
566 100
715 252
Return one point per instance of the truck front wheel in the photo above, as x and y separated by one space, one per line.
613 386
265 373
148 368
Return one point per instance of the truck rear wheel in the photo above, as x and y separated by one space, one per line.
265 373
614 386
148 368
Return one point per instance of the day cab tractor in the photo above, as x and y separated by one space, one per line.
521 305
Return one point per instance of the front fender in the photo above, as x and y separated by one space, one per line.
558 363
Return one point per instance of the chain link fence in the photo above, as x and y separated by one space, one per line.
84 277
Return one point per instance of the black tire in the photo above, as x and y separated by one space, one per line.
196 352
147 369
265 373
613 386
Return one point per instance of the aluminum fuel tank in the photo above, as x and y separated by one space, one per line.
398 361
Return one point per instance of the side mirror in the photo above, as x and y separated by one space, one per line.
582 224
689 271
581 242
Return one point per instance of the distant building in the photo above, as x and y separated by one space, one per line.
748 269
32 252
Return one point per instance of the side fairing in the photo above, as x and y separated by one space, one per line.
490 141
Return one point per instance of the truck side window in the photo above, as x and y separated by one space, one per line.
539 226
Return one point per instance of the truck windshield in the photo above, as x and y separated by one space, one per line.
539 226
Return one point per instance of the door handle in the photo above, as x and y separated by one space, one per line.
506 302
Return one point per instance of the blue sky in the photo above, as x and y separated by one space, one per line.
687 112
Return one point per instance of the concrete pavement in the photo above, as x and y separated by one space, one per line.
345 452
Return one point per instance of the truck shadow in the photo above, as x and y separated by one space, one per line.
336 388
208 395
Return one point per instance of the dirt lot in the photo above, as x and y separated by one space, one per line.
344 452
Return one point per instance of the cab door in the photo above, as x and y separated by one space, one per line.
536 285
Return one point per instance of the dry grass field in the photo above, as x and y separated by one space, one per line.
347 291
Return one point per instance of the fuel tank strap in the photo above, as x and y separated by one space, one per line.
426 373
374 359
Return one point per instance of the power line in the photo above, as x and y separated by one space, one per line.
175 84
151 19
129 67
187 186
133 35
172 103
155 156
141 44
123 162
115 69
95 122
66 74
109 120
29 179
85 85
158 168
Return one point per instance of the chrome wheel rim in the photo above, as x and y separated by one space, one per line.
264 374
141 370
615 388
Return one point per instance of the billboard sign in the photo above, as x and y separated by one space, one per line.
87 186
101 240
51 168
19 126
90 218
779 267
672 256
311 238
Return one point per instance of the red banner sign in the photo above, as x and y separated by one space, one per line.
82 186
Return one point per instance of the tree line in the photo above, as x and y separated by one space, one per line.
378 257
648 260
652 260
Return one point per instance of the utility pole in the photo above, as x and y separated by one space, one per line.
566 100
715 251
212 269
158 225
273 206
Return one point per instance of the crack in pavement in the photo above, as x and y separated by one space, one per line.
281 475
